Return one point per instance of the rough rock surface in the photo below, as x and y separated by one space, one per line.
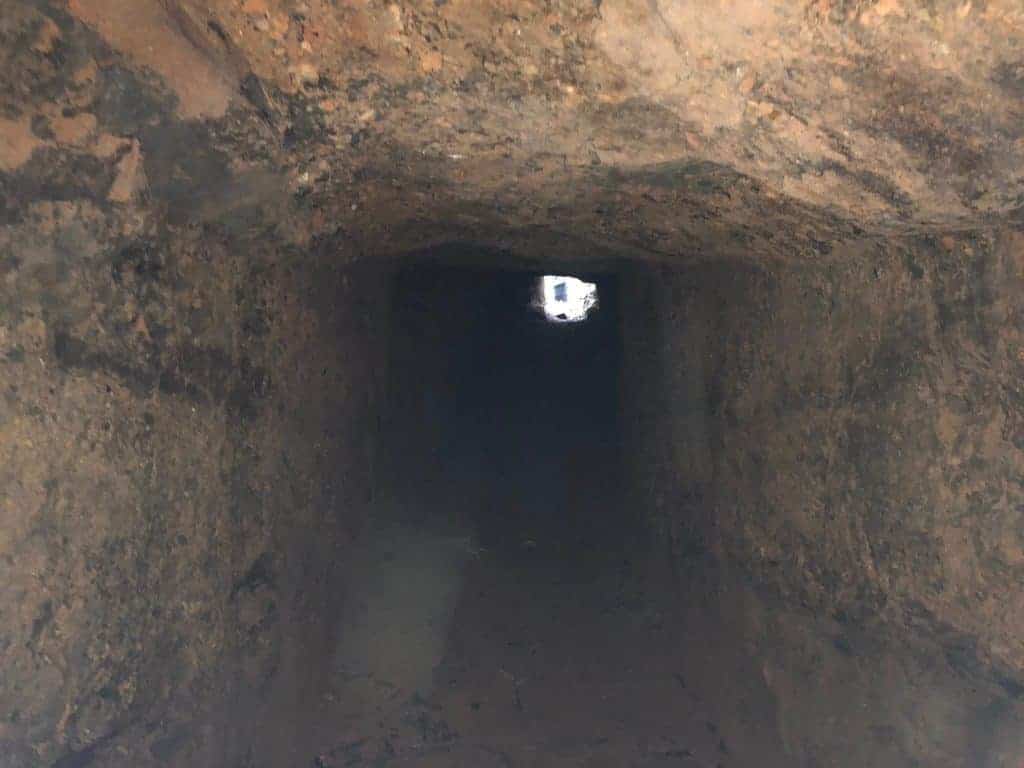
851 454
825 196
873 426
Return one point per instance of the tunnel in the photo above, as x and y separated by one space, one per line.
486 383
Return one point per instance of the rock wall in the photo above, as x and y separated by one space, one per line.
842 438
179 475
187 390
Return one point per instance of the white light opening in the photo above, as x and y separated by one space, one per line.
565 299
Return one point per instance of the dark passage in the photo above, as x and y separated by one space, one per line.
517 433
497 612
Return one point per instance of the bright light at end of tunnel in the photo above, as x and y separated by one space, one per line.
565 299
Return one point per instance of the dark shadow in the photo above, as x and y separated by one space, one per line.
500 421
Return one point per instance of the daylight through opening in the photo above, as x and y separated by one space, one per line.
565 299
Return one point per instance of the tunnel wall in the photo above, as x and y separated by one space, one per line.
187 428
845 436
435 318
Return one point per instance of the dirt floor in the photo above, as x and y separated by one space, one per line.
533 635
547 661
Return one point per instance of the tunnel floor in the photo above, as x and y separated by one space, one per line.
535 669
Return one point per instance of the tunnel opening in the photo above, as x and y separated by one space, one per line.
515 416
564 298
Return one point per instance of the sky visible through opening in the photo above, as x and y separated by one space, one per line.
565 299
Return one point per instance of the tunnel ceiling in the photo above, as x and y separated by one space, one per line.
650 128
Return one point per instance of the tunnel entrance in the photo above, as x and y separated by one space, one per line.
565 299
